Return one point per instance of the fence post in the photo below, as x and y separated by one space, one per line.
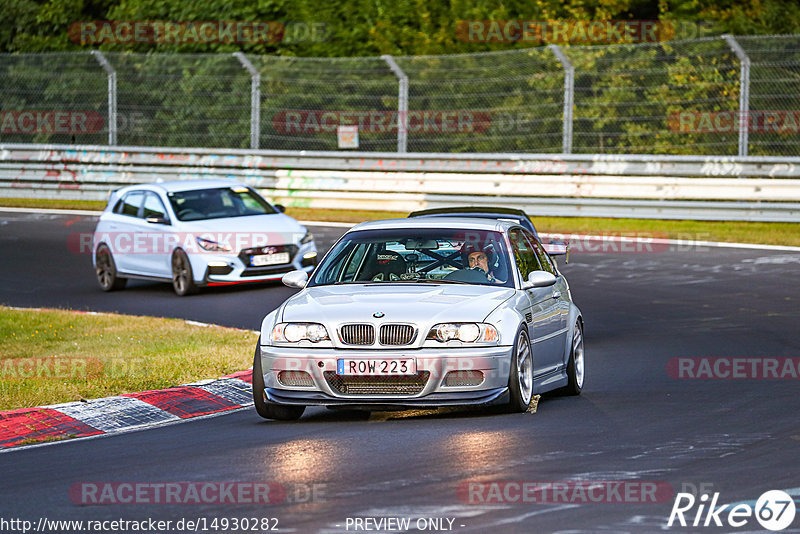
744 93
255 99
112 95
402 103
569 92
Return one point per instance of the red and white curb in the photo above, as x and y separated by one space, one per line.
122 413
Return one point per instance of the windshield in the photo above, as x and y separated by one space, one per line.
415 255
236 201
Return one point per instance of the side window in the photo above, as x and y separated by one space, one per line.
153 207
129 205
524 254
544 259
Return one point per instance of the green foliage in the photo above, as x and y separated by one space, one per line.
368 27
197 94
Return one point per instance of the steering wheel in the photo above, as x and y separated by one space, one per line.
187 212
473 276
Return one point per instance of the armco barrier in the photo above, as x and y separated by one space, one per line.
639 186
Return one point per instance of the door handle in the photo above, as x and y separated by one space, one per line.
556 294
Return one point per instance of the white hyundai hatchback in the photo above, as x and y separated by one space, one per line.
197 233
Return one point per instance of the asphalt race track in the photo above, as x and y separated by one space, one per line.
635 423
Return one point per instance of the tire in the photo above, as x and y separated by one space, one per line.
576 370
182 276
266 409
520 379
106 270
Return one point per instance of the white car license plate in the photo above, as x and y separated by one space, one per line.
269 259
376 367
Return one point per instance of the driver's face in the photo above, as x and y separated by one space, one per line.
478 259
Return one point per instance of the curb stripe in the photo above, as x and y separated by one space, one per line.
18 426
184 402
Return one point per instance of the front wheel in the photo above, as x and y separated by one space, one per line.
182 276
520 380
576 371
106 270
266 409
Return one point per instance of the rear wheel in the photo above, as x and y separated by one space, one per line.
576 371
182 276
106 270
520 380
266 409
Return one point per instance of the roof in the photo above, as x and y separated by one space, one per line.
185 185
470 209
466 223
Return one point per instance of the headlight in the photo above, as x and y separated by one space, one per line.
308 238
466 332
295 332
212 246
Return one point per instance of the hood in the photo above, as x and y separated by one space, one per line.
272 229
403 302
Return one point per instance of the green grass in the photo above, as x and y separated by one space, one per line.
95 205
53 356
738 232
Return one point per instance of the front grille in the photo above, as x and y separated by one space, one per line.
377 385
397 334
264 271
246 254
295 378
357 334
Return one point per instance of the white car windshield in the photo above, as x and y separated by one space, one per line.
236 201
416 255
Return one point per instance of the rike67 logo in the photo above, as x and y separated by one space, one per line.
774 510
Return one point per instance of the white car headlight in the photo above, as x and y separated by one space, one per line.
296 332
308 238
466 332
212 246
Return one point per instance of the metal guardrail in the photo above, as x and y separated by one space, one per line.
639 186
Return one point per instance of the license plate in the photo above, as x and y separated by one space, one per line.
269 259
376 367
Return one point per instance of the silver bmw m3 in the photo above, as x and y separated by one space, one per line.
422 312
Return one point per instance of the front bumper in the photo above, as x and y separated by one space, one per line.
321 363
224 269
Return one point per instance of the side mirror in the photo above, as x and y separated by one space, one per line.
295 279
539 279
157 220
280 207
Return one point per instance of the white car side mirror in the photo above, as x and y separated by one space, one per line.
295 279
538 279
